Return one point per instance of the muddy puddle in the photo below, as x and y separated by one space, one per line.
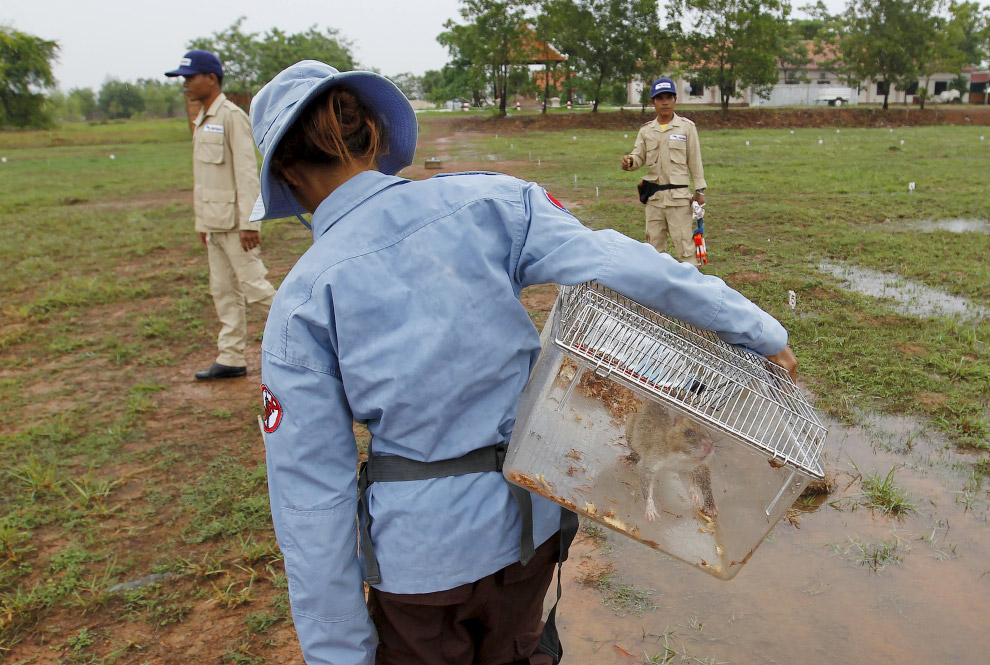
960 225
908 297
811 593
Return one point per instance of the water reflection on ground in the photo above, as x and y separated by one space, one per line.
810 594
910 298
961 225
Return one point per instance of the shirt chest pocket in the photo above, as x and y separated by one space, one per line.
677 151
652 150
209 147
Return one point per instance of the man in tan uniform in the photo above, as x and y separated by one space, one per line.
225 187
669 146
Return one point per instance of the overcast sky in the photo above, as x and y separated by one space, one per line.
132 39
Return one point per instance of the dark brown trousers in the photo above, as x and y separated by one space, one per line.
494 621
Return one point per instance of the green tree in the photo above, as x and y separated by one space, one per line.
81 104
56 106
546 55
277 50
410 85
451 82
251 60
238 53
884 41
467 52
606 39
972 25
490 38
662 44
161 100
734 44
119 99
943 46
795 54
25 72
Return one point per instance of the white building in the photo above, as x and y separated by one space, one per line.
812 85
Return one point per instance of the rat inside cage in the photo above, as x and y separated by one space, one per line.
662 431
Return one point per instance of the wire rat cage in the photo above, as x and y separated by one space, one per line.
662 431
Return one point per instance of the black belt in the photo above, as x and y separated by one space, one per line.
391 468
647 189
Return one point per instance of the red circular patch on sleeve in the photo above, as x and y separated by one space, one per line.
273 410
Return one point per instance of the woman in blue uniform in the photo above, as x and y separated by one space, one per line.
404 315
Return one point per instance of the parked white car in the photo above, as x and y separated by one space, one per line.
947 96
835 95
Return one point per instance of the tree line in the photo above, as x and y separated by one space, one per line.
732 45
29 97
588 49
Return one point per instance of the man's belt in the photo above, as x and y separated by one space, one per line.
648 189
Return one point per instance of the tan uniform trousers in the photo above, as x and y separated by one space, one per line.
236 278
675 222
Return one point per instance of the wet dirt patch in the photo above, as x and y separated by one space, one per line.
746 277
909 298
814 571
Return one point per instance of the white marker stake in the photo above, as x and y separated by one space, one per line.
4 159
820 142
792 299
747 142
512 146
575 181
596 192
113 157
910 186
539 162
574 138
902 141
837 131
792 131
625 136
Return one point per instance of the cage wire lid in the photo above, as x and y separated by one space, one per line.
734 390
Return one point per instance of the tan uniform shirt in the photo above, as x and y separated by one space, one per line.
225 169
673 156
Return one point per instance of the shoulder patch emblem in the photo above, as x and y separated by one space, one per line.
554 201
273 410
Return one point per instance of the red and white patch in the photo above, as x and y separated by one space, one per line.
554 201
273 410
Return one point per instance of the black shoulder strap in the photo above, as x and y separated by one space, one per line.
550 639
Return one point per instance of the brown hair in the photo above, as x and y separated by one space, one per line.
334 127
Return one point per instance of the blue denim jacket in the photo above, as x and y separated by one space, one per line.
404 315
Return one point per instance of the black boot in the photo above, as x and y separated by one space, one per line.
218 371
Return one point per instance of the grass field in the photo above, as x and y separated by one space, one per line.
133 505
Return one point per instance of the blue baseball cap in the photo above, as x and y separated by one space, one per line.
277 106
663 85
198 61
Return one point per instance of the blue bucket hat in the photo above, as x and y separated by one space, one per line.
277 106
663 85
198 61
